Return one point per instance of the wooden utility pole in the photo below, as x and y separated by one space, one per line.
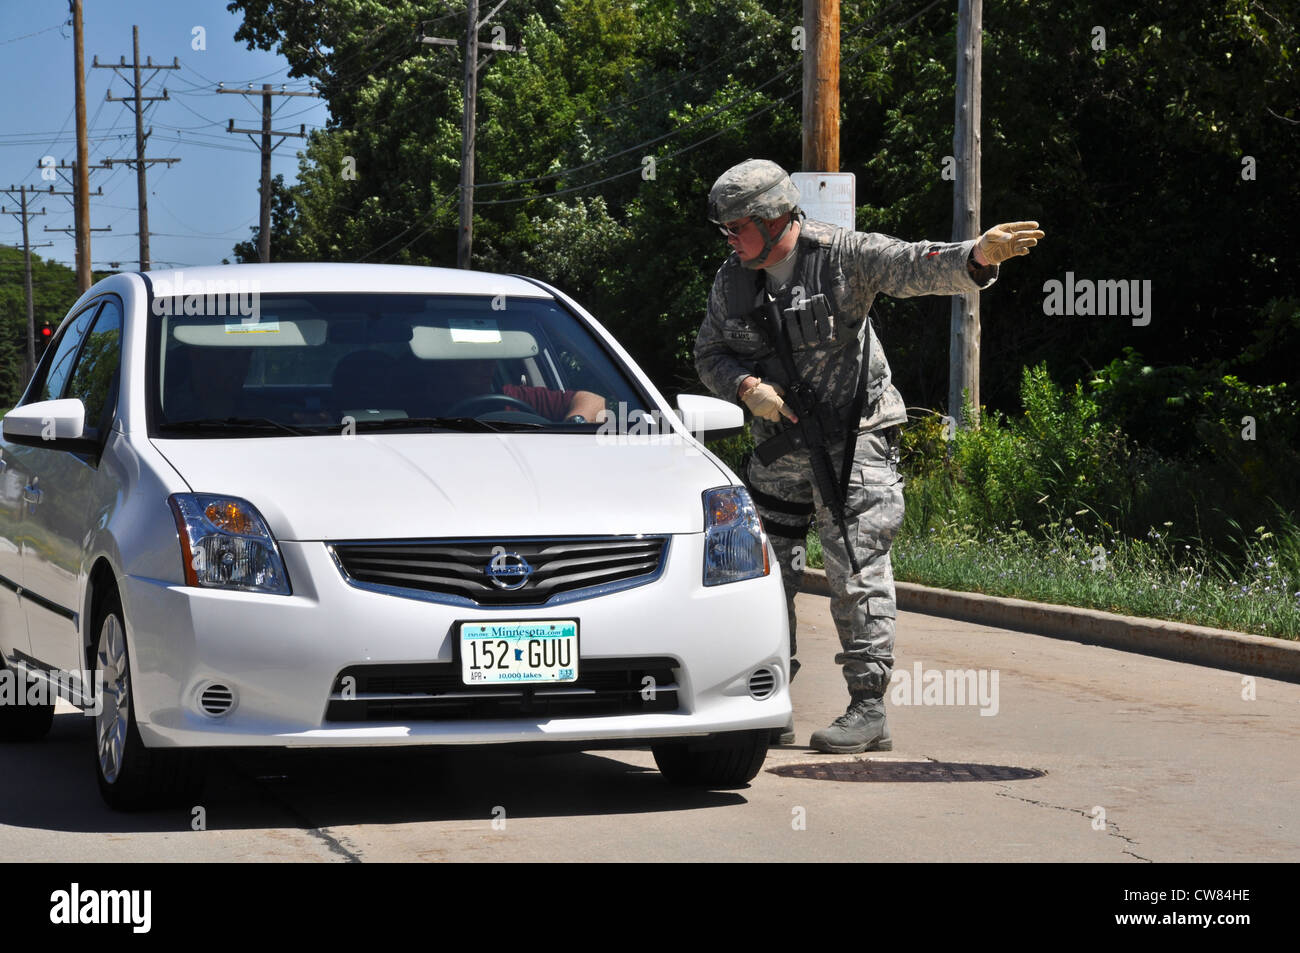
138 100
24 215
78 187
821 86
465 239
964 336
70 172
266 147
81 179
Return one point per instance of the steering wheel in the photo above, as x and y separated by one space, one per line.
473 406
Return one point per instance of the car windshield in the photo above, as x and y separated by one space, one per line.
330 363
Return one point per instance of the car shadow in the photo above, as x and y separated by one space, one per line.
51 786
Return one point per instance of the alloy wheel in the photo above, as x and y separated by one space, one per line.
114 716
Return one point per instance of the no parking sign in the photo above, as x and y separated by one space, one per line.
827 196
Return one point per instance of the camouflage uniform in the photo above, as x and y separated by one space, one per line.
837 274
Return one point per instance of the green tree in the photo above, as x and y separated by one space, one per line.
54 289
1131 152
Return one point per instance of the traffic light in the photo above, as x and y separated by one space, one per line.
43 339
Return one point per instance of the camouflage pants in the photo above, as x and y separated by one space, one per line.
862 605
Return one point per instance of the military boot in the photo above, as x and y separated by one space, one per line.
862 727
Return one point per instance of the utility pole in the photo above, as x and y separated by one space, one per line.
264 220
75 191
81 181
469 125
964 336
465 239
71 173
138 101
24 215
821 86
75 195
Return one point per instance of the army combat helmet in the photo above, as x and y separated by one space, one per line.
755 188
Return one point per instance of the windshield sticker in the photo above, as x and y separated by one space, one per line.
474 331
252 325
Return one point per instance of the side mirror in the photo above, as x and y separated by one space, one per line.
53 424
709 418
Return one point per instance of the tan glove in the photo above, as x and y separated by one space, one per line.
764 400
1005 241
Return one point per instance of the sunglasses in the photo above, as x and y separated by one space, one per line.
733 231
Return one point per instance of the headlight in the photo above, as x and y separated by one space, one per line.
734 545
225 544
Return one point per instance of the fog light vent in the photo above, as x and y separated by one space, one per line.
217 700
762 683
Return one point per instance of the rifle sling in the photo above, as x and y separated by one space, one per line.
791 438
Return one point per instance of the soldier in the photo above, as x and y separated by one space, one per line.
824 279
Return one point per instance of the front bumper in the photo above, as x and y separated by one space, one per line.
282 655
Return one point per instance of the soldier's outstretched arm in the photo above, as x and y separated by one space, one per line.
884 265
716 363
905 269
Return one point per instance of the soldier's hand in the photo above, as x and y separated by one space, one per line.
1005 241
764 400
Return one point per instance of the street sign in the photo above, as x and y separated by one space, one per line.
827 196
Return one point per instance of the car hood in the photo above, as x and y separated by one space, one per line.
411 486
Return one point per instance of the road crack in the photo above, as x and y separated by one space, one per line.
1112 828
335 845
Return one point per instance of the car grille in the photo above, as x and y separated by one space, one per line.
457 571
433 691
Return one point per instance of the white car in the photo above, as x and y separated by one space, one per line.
320 505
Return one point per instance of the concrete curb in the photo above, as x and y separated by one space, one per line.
1200 645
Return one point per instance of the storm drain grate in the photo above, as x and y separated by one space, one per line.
904 771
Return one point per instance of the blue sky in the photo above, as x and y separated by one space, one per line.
198 207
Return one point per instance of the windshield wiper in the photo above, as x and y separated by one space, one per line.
262 424
464 424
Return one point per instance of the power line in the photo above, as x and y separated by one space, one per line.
434 211
209 122
213 82
234 230
27 36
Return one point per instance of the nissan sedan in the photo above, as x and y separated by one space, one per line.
351 505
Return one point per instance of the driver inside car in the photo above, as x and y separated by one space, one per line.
463 381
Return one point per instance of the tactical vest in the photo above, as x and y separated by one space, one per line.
825 325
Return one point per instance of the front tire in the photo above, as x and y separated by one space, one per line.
730 760
131 776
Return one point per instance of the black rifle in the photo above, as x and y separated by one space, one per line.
817 422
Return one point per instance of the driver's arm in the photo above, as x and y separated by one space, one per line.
558 404
588 405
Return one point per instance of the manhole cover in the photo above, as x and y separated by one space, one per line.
904 771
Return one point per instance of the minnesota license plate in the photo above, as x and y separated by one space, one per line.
528 652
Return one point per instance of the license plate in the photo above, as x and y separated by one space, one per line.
493 653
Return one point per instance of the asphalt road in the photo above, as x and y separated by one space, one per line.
1183 766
